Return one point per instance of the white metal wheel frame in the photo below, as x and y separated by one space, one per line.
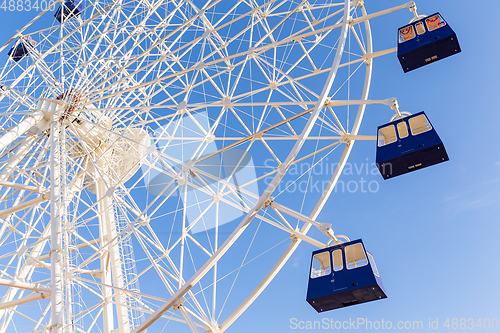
157 189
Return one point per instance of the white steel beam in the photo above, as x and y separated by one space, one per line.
20 153
295 214
23 187
330 102
354 137
368 56
29 298
14 133
56 265
111 263
24 205
73 248
365 18
24 285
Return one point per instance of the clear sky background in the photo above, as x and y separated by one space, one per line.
434 233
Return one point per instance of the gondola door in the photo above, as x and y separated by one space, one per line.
339 280
405 142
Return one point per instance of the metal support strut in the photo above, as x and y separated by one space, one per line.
324 228
393 103
412 6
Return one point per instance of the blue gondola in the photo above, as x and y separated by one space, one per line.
425 41
408 144
72 8
343 275
21 49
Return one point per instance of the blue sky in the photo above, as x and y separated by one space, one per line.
433 232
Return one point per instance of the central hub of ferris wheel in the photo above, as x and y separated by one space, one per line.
90 134
89 128
62 107
71 98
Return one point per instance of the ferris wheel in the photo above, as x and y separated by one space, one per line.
158 158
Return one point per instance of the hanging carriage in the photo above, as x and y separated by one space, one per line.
22 48
69 9
425 41
343 275
408 144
